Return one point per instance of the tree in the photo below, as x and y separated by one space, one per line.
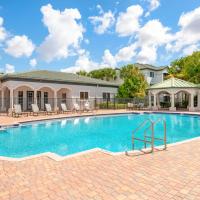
125 71
107 74
82 73
187 68
134 84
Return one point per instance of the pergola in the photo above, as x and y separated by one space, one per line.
174 94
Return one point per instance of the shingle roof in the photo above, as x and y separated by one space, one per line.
146 66
174 83
45 75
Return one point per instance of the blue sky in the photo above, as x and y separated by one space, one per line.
78 35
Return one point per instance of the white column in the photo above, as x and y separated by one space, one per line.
172 108
149 100
2 100
11 99
35 97
55 100
154 102
198 101
191 108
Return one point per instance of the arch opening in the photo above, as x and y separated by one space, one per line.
164 100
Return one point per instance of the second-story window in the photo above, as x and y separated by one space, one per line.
83 95
152 74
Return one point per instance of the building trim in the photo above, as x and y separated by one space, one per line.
5 79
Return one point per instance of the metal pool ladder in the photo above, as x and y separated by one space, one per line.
150 139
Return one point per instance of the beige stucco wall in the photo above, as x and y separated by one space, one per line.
54 90
158 75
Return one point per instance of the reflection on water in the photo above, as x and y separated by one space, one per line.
63 123
87 120
76 121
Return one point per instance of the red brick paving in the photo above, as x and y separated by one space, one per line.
172 174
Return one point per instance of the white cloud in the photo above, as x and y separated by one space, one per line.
65 33
87 41
100 9
190 49
153 5
33 62
82 63
9 68
154 33
19 46
189 33
148 54
128 22
126 54
108 59
103 22
3 33
149 41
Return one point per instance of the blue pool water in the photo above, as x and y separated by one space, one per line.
113 133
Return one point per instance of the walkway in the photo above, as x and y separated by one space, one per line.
172 174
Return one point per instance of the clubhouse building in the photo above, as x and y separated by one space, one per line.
41 87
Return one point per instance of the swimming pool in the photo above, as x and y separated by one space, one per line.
73 135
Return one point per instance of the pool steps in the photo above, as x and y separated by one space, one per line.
150 139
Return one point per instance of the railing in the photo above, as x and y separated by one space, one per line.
150 139
95 103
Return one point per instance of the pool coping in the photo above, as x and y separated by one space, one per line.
16 124
58 157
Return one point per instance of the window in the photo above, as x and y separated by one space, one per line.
106 96
152 74
20 98
45 97
83 95
64 97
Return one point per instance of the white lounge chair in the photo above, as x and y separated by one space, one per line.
35 109
18 111
130 106
64 108
76 107
87 106
48 109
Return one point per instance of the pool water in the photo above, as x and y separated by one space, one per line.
113 133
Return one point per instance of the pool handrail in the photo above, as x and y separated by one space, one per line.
152 137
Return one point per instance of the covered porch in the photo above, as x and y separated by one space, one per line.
174 94
25 95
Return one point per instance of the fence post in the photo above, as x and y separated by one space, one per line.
95 103
114 103
107 102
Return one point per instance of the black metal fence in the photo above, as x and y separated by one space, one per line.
95 103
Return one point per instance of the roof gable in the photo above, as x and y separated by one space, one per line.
173 83
150 67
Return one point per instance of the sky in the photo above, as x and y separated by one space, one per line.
74 35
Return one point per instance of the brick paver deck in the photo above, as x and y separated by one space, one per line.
172 174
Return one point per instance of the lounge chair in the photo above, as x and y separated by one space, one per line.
18 111
64 108
76 107
87 107
130 106
140 106
49 109
36 110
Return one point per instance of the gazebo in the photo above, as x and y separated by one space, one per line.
174 94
